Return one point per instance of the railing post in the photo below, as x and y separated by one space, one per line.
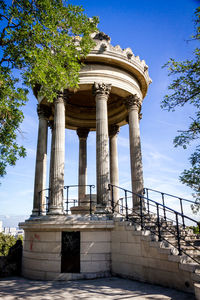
122 207
181 205
163 202
147 199
126 205
67 202
158 223
39 209
112 199
90 199
141 214
47 201
178 235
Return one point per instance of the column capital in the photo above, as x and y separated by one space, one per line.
101 88
63 96
82 133
43 111
113 130
133 102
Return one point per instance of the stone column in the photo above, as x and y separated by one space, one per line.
51 125
133 104
114 171
57 158
41 161
82 170
101 92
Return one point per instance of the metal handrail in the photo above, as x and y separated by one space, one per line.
162 193
140 213
66 187
145 198
146 190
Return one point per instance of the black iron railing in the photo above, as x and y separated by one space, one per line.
164 197
139 215
68 201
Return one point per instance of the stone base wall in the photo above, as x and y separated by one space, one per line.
135 256
42 255
106 247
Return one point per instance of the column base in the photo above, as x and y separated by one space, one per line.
55 211
35 213
101 209
80 209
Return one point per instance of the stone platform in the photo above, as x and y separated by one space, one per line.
42 252
104 288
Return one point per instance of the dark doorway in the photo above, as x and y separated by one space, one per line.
70 253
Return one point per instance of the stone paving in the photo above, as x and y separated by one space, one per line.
105 288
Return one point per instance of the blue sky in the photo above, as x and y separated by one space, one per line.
155 30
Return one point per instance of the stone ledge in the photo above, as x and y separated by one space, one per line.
59 223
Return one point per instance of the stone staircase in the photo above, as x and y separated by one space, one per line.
189 241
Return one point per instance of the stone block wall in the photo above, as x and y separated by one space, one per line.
135 256
42 255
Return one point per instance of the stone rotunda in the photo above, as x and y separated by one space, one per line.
113 84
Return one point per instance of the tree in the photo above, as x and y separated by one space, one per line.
42 44
185 88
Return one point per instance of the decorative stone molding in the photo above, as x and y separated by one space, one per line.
82 133
131 101
140 116
101 88
43 111
103 42
113 130
101 36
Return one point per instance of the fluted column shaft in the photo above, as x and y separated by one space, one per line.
101 92
114 170
133 104
51 125
82 170
41 161
58 158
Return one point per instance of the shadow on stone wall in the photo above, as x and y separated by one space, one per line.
10 265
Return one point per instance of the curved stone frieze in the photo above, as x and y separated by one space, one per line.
123 83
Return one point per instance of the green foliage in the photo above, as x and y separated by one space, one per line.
195 229
6 242
185 88
46 42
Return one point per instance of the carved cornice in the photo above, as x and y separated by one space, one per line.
101 36
103 43
43 111
113 130
101 88
132 101
82 133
